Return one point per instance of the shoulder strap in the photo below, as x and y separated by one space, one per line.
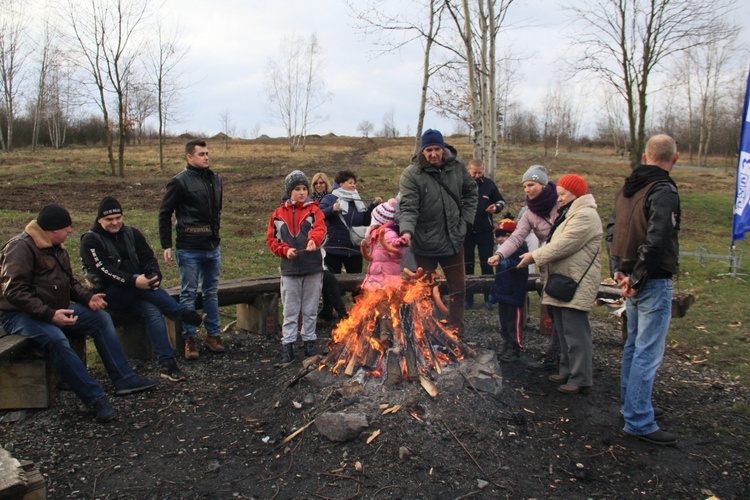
591 264
448 190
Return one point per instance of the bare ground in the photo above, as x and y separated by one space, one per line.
219 435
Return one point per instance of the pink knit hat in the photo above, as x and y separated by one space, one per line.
383 213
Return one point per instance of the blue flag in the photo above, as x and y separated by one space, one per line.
741 222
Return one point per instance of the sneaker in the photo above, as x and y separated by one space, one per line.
134 384
104 410
214 344
191 348
287 353
545 365
658 437
192 317
511 356
172 372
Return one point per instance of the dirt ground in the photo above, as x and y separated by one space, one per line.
219 435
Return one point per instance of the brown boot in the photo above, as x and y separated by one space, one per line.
191 348
214 344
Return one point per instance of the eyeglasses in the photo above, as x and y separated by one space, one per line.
320 182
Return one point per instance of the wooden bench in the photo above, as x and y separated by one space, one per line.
25 374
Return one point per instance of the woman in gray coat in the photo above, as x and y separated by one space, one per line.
573 250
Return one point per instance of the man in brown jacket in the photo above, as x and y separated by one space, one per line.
42 300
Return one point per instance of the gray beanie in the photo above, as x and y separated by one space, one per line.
295 179
536 173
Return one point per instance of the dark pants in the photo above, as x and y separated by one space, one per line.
332 296
511 324
453 267
485 245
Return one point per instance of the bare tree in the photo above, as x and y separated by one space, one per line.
560 117
13 53
389 129
365 128
295 87
478 23
140 97
228 127
106 32
45 49
395 29
162 68
626 41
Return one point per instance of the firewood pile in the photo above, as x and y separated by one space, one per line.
396 334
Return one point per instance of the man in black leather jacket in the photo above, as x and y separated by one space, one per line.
194 196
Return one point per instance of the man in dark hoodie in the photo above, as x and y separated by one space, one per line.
438 200
644 251
119 263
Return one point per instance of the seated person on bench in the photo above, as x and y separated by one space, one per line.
42 300
119 263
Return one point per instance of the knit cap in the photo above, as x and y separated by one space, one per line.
505 227
109 206
536 173
574 183
53 217
432 137
384 213
294 179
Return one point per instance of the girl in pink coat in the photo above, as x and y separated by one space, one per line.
386 248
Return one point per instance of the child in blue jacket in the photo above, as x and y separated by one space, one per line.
509 292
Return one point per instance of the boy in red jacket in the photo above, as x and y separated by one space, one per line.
295 233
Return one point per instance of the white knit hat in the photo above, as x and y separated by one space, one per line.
383 213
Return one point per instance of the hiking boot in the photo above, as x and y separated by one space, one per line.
310 349
572 389
545 365
558 379
214 344
191 348
658 437
287 353
134 384
193 318
172 372
104 410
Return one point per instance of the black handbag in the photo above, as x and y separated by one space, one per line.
563 287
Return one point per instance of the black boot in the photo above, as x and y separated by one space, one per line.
512 355
287 353
310 349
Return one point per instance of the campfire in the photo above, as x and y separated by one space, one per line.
394 334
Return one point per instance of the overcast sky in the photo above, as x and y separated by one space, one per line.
232 41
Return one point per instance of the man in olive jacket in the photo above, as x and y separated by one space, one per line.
438 200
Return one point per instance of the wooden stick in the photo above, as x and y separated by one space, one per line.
295 433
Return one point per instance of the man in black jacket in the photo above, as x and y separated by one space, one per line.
479 235
120 263
644 255
194 196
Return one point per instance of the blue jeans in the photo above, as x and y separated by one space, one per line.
53 339
196 265
648 316
151 305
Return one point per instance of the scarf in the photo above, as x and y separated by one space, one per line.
319 196
543 204
561 214
642 176
349 197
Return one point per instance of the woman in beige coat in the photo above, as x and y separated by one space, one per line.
573 244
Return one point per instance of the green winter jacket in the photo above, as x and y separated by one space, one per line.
429 213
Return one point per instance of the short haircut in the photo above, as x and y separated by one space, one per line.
476 162
661 148
345 175
190 146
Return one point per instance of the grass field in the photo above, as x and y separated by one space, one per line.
714 333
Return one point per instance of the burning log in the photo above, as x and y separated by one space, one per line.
392 333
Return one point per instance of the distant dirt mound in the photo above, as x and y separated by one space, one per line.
221 136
